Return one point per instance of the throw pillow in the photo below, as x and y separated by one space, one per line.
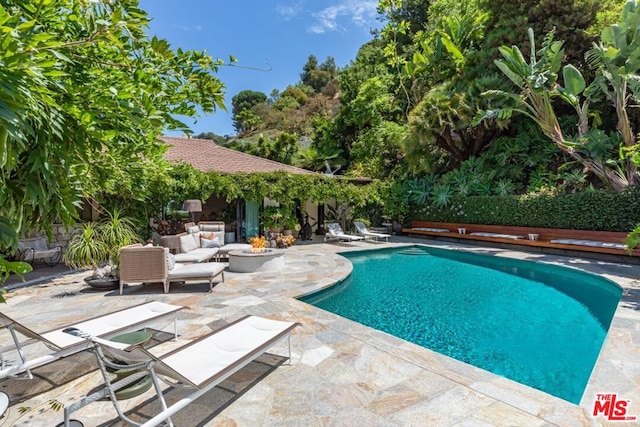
208 236
220 236
193 230
210 243
171 261
187 243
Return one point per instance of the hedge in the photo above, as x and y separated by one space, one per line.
587 210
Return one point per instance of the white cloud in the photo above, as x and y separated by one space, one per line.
188 28
289 11
359 12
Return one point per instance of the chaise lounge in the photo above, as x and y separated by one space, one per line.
199 365
335 232
154 264
363 231
62 344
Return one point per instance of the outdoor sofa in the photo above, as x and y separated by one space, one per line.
215 229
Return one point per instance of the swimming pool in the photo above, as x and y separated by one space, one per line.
537 324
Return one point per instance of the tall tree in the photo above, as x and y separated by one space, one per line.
242 103
318 76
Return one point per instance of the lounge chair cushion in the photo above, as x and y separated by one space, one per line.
498 235
590 243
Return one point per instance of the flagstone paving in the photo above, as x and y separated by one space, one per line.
341 373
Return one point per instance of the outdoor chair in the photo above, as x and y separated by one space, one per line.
335 232
362 230
144 264
62 344
36 249
199 365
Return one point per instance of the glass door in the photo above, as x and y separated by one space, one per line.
252 219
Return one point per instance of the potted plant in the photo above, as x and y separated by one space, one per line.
272 219
96 245
289 223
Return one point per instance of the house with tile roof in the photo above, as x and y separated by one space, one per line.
207 156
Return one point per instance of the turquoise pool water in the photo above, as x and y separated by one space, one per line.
537 324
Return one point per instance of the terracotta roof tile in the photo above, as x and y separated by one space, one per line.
207 156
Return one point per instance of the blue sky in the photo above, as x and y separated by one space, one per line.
274 35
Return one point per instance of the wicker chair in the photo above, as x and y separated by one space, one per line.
150 264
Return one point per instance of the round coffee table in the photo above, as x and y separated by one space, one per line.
264 260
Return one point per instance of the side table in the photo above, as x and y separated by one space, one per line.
144 383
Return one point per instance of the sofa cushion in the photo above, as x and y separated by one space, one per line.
212 227
210 243
196 271
187 243
197 255
193 229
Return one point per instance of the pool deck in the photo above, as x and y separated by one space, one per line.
342 373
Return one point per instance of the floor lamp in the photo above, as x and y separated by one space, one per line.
193 206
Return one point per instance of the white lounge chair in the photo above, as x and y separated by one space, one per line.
362 230
106 326
334 232
199 365
62 344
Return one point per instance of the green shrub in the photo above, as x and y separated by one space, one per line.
587 210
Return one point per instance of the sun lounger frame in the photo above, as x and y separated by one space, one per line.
59 350
154 366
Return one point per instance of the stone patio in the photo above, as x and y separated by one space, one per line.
341 373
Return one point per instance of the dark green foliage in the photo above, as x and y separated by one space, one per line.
243 118
572 19
318 76
85 94
586 210
218 139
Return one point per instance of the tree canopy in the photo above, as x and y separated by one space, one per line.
85 94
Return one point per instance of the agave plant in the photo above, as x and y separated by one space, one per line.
419 189
504 187
441 195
